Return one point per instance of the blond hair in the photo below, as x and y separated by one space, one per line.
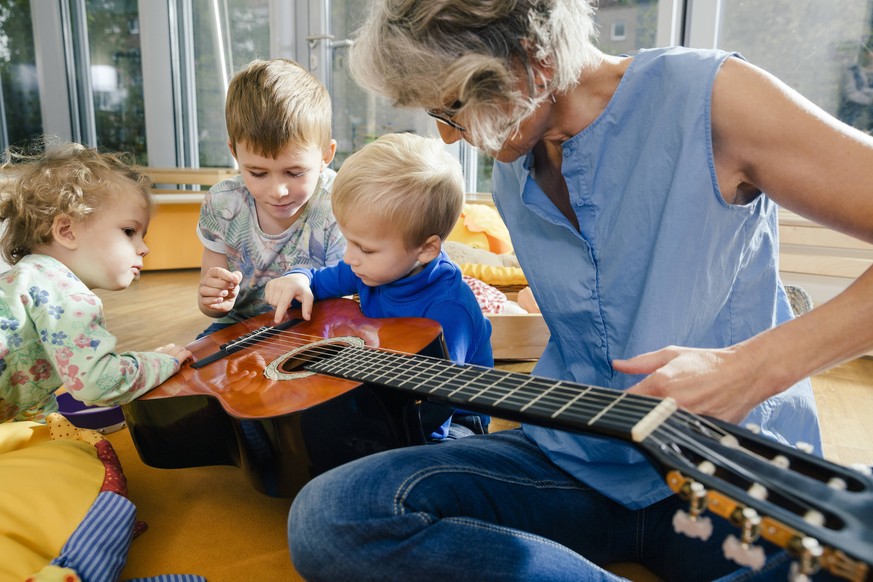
473 56
68 179
274 103
411 181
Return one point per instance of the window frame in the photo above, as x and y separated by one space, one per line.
168 70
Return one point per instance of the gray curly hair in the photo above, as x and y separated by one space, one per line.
475 54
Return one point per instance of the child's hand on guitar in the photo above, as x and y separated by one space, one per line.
281 292
178 352
219 289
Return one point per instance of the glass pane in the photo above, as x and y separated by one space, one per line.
20 91
625 27
360 117
821 49
116 76
227 36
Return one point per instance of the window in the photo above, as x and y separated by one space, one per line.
358 117
113 65
821 49
618 31
20 116
226 36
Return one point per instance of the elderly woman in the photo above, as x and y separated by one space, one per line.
640 193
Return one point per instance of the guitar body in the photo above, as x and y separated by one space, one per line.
259 409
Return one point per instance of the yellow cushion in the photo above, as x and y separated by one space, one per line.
48 486
497 276
481 227
485 219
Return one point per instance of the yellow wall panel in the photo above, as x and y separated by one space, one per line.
172 238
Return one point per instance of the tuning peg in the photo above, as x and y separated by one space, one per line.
693 527
781 461
743 554
752 427
794 574
691 523
807 553
742 550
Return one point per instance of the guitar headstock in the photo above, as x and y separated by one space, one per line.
821 512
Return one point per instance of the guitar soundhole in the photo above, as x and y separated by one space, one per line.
292 365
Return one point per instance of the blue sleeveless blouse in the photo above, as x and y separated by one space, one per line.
661 259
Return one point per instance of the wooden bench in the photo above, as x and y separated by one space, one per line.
811 249
820 260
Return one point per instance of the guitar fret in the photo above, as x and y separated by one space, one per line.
438 377
514 390
571 402
415 374
487 388
539 397
464 384
467 383
608 408
433 390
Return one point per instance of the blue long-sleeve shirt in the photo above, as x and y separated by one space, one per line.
438 292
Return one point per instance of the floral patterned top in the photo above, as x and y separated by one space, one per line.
52 333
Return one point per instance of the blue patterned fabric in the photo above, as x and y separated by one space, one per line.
97 550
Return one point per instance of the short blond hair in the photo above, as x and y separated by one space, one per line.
274 103
412 181
479 57
68 179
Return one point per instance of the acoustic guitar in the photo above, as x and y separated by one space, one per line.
247 400
821 512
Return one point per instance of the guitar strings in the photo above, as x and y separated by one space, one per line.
633 408
665 435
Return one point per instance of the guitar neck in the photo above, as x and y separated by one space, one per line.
515 396
806 495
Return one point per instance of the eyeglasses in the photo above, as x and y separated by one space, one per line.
443 117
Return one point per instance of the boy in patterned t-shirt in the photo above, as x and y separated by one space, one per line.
276 215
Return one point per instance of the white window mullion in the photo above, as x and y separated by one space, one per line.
702 23
58 99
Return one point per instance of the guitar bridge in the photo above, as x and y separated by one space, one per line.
244 341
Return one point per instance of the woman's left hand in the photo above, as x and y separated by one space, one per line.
713 382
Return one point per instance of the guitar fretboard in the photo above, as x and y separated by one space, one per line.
558 404
679 440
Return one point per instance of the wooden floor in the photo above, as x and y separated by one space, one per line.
161 307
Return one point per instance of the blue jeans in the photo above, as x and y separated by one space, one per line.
489 507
